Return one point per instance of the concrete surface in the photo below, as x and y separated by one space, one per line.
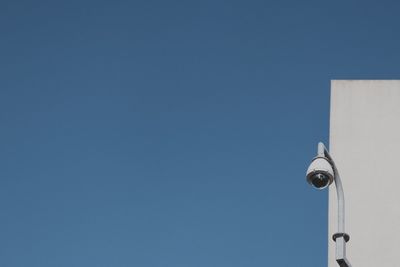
365 144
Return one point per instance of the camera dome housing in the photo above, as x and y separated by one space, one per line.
320 173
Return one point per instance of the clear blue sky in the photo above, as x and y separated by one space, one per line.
174 133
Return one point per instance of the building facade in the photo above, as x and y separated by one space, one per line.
365 144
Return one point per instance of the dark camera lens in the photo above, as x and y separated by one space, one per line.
319 180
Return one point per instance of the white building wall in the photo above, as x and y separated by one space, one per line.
365 144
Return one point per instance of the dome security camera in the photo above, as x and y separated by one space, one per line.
320 173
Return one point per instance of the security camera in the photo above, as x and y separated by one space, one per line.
320 173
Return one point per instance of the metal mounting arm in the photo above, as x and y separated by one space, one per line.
340 237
